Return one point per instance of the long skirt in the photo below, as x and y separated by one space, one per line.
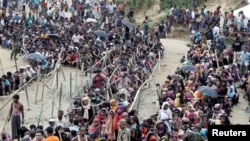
15 125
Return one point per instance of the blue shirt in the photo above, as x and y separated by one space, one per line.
245 56
6 82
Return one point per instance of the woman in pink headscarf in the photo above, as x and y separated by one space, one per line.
5 136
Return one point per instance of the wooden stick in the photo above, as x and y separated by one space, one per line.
159 62
2 66
40 115
37 86
57 79
52 112
76 81
60 97
27 97
42 93
217 61
70 86
82 69
62 73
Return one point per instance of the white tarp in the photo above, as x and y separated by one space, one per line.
245 9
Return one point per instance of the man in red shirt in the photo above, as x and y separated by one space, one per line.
98 80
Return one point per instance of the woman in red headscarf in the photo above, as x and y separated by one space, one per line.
95 129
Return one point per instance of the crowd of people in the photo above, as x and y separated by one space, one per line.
201 92
12 81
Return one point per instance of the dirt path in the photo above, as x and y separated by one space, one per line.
174 50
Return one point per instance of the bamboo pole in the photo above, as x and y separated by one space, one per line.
27 97
57 78
37 86
60 97
62 73
18 90
2 66
76 81
70 86
40 115
82 68
217 61
52 112
159 61
42 93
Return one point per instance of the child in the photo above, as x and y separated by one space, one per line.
103 136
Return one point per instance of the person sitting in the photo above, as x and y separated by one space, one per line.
72 58
7 86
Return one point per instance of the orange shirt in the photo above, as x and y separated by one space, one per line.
52 138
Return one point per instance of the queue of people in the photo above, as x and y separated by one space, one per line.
200 93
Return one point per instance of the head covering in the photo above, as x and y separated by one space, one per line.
52 120
85 98
122 121
217 105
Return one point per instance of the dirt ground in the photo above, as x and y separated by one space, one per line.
33 108
174 50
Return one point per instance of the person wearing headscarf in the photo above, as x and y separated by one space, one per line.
87 110
113 104
165 114
134 113
95 129
161 129
151 136
110 122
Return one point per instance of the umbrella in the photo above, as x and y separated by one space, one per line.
35 56
54 36
188 68
207 91
129 25
101 33
90 20
15 18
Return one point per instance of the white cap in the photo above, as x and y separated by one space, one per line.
52 120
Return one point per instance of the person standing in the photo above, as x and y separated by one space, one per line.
124 133
16 110
15 39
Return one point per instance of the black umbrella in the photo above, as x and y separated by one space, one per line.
54 37
101 33
129 25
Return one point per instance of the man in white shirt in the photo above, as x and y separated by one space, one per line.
76 38
216 30
74 127
62 14
60 120
52 124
